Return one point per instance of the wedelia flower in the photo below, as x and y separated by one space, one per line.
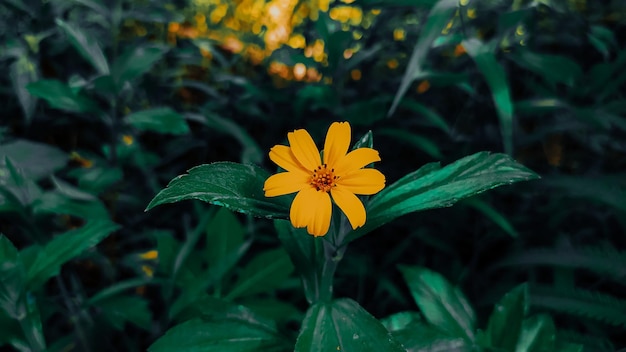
340 175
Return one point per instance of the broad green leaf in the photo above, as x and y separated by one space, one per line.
437 19
443 305
135 62
64 247
162 120
223 335
11 280
495 76
23 72
72 192
537 335
11 333
86 46
394 3
553 68
234 186
60 96
223 235
343 325
434 187
212 308
36 160
505 322
266 271
118 310
56 203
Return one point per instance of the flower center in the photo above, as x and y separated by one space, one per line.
323 178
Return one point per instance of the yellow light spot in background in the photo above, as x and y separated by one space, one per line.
357 35
520 30
297 41
399 34
459 50
375 11
347 1
471 13
149 255
299 71
423 87
392 64
355 74
127 139
464 2
348 53
85 163
173 27
148 270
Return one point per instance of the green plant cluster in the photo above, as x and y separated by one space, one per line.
132 215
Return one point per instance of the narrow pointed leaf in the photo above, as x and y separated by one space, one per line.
498 84
437 19
342 325
86 45
537 335
60 96
64 247
234 186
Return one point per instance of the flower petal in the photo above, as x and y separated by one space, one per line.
350 205
304 149
363 181
285 183
355 160
313 209
282 156
337 142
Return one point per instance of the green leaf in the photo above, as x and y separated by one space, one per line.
401 320
265 272
224 234
443 305
223 335
135 62
60 96
162 120
86 46
57 203
505 323
64 247
11 279
97 179
437 19
553 68
537 335
434 187
36 160
495 76
15 188
118 310
343 325
234 186
23 72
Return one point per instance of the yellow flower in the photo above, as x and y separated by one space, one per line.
340 174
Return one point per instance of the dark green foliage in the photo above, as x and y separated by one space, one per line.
132 163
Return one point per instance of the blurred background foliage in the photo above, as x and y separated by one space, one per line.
104 102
